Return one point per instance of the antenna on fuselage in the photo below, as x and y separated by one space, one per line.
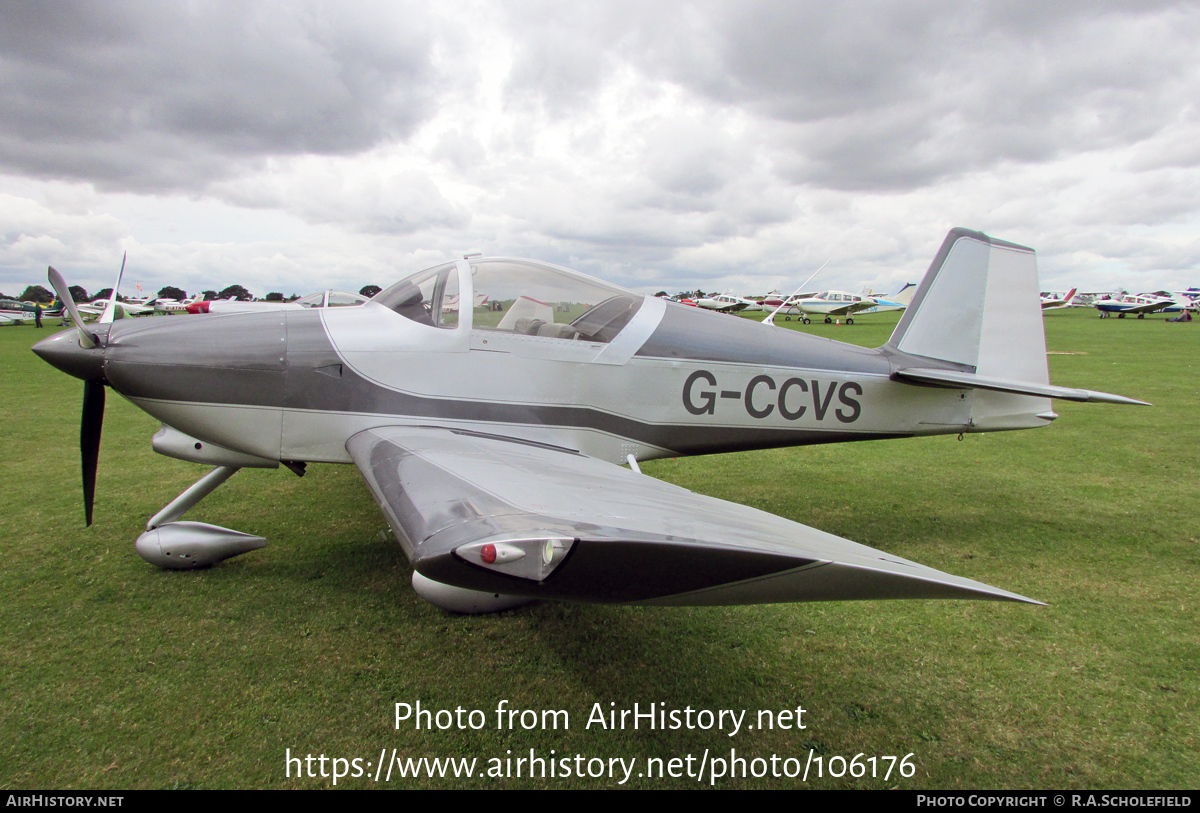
770 320
111 307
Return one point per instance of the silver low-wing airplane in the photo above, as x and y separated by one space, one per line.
494 440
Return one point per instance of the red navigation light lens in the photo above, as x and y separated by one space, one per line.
488 554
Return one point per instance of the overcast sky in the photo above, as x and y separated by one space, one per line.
295 146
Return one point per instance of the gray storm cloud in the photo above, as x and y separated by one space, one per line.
164 96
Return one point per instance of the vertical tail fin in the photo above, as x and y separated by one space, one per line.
905 295
978 306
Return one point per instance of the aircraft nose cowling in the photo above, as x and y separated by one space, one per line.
62 350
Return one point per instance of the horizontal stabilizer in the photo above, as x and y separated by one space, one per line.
954 378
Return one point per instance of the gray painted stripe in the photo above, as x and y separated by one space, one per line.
250 382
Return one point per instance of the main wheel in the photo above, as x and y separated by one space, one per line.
1141 316
807 321
1120 316
828 320
849 321
787 318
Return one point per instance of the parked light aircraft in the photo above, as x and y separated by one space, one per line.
321 299
127 308
724 303
771 301
1122 304
493 440
787 306
883 304
1052 301
171 306
832 304
13 311
1180 300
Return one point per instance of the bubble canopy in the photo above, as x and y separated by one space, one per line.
516 296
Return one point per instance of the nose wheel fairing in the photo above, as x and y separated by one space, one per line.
180 545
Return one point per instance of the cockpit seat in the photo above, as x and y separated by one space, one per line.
528 325
558 331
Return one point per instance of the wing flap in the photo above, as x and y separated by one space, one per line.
610 534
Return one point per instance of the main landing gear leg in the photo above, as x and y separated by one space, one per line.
178 545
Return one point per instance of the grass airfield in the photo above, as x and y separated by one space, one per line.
118 675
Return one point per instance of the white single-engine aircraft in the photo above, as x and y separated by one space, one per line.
1122 304
494 440
126 308
832 304
724 303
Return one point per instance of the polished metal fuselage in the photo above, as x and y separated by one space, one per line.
297 385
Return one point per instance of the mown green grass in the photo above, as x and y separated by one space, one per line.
118 675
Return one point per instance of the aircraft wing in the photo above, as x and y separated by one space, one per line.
558 524
1145 307
851 308
92 309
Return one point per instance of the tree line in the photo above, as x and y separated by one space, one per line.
38 293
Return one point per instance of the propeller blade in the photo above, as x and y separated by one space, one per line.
86 339
89 440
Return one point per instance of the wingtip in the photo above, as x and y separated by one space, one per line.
1026 600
